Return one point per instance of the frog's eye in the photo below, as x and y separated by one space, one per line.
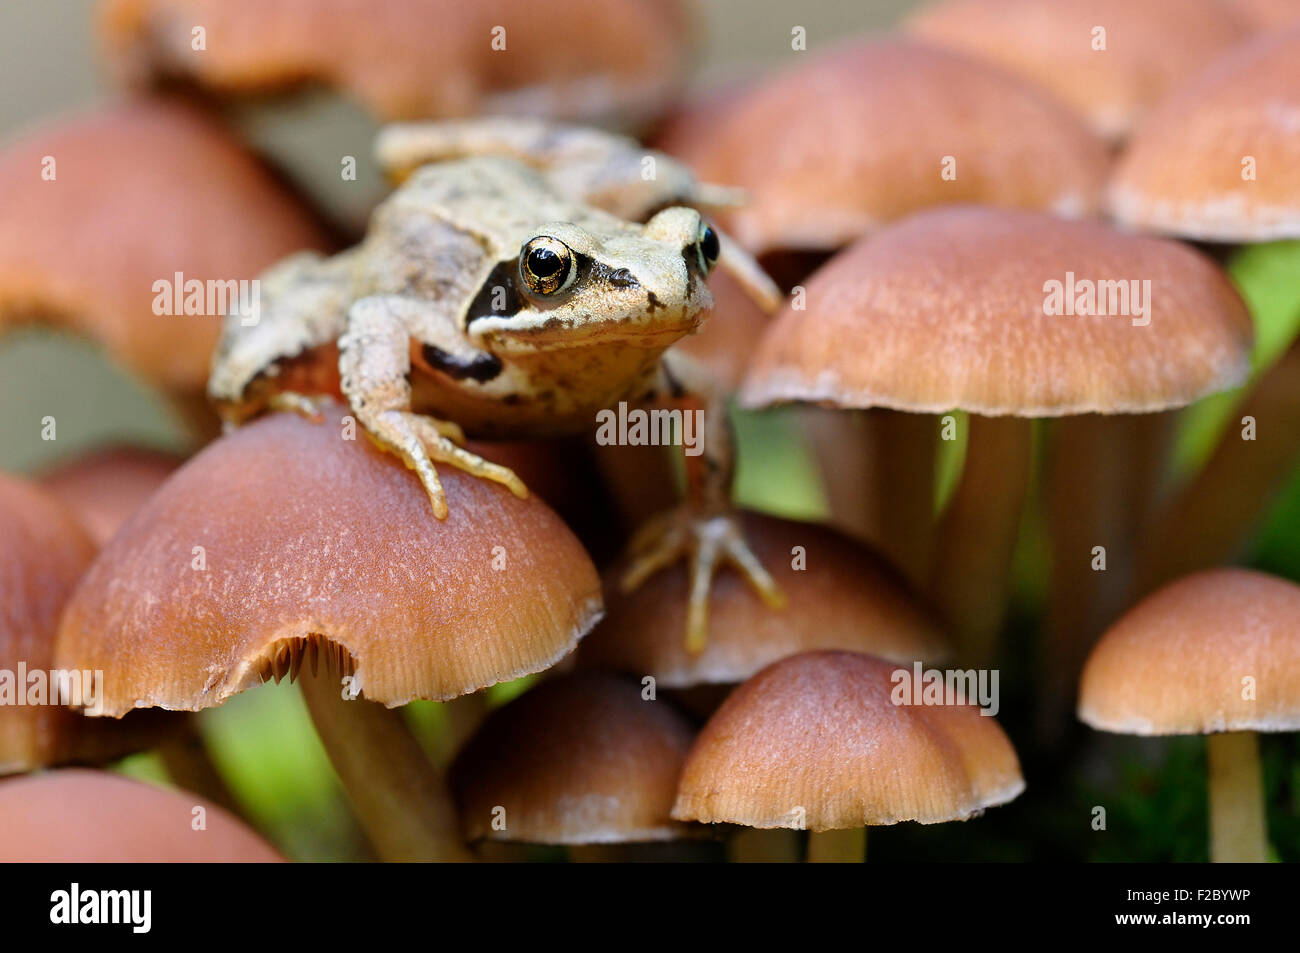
547 266
709 248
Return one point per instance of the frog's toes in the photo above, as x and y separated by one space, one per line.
708 541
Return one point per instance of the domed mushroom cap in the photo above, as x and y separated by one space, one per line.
580 759
105 487
859 136
289 534
44 553
78 816
1219 159
1267 14
949 309
580 59
1214 651
140 192
1149 47
821 732
842 595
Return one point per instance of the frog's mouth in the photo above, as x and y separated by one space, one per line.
641 319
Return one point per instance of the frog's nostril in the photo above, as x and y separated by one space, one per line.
622 278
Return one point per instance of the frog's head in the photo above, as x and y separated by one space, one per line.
633 285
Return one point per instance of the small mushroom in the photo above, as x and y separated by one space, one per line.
106 487
580 759
817 740
870 131
413 59
291 547
45 552
1219 159
1110 60
80 816
1216 654
97 210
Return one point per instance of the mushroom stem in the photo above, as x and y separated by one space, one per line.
977 535
1104 473
903 453
847 846
1238 829
1211 518
756 845
189 764
837 441
401 800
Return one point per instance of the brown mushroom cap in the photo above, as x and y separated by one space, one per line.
847 597
580 759
44 553
821 732
105 487
1178 662
1186 170
1266 14
142 191
411 59
313 538
79 816
856 137
947 310
1151 46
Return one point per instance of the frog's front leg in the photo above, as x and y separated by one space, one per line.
706 529
374 364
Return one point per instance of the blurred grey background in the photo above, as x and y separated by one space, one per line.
48 68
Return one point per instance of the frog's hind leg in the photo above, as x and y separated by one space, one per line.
302 305
374 364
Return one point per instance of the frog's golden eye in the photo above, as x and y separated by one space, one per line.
547 266
710 247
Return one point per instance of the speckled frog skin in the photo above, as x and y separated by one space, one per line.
492 296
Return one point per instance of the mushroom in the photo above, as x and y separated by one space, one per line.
862 134
45 552
290 546
848 598
1220 162
413 59
818 740
580 759
105 487
1110 60
1218 654
950 309
80 816
97 210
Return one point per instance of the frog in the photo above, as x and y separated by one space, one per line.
508 289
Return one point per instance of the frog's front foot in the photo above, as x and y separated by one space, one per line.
422 441
709 540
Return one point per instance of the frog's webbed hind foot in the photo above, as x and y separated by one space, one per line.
423 441
709 541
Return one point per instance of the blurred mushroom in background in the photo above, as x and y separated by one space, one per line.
135 226
1111 61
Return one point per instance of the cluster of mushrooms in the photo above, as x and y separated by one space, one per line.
915 193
